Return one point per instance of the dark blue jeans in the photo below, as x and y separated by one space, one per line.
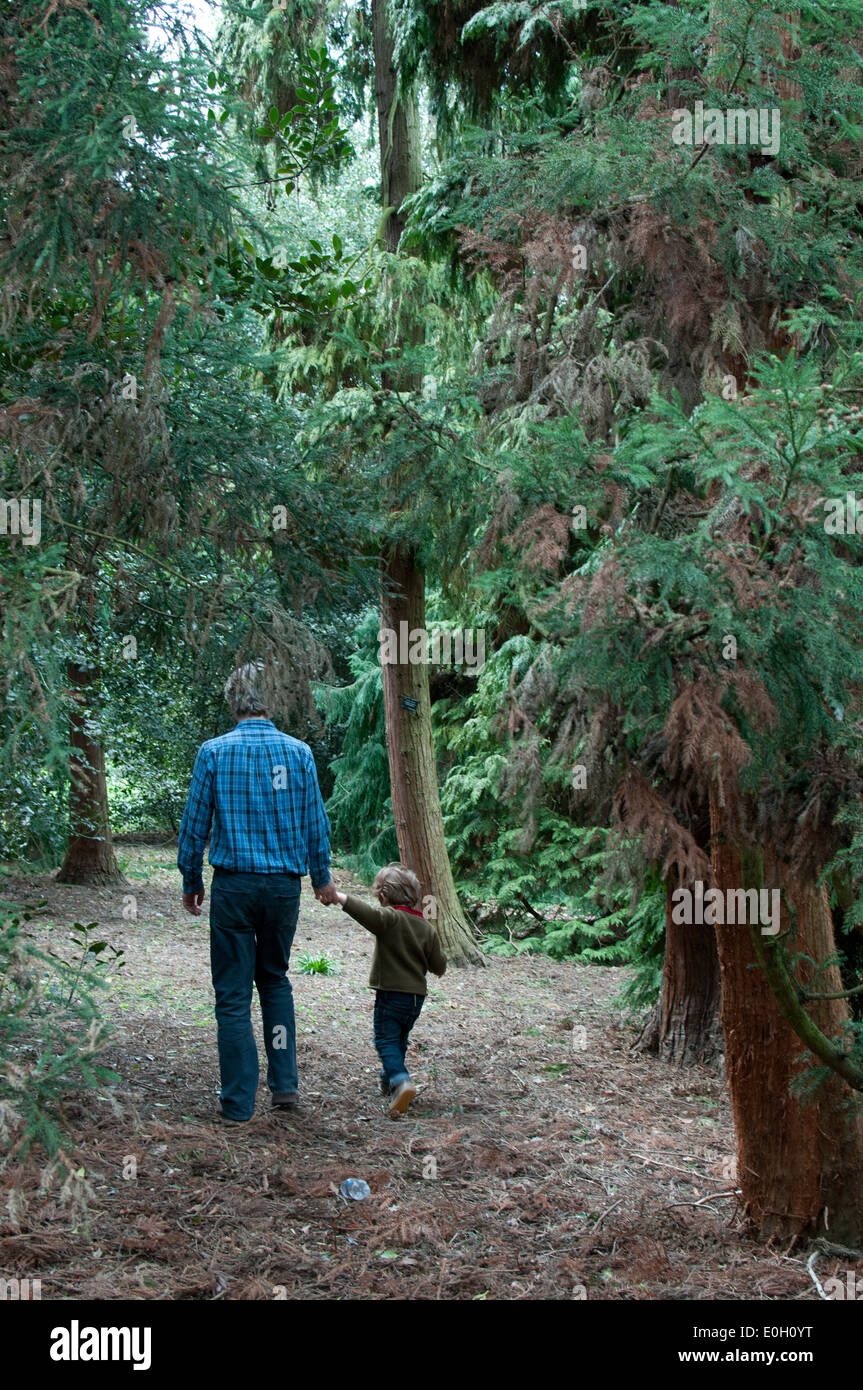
395 1016
253 918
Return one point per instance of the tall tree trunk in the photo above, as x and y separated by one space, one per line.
410 744
90 856
685 1025
398 129
798 1161
413 770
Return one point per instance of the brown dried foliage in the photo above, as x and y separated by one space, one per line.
542 539
641 811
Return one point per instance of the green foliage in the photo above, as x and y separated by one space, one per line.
593 927
360 808
33 748
645 943
323 964
309 139
176 510
278 59
557 872
474 57
636 386
91 956
51 1033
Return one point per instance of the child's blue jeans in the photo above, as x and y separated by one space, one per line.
395 1015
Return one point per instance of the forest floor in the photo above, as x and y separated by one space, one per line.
527 1167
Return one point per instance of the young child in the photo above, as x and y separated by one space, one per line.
406 947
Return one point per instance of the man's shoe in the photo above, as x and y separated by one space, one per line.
285 1100
231 1119
402 1097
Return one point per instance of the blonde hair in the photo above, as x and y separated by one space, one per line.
398 885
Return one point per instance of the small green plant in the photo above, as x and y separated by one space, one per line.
317 965
90 954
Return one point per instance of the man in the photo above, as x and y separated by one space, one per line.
259 788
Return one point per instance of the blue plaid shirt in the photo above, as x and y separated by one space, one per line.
259 787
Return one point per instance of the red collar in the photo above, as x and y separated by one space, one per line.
399 907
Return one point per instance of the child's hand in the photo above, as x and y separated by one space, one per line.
341 899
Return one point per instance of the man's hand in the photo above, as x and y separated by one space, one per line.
192 902
328 894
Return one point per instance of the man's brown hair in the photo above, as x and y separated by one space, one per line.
398 885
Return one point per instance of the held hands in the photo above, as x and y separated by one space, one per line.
329 895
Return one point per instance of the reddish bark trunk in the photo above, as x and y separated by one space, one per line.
685 1027
799 1161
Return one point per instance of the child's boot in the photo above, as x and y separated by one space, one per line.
404 1093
